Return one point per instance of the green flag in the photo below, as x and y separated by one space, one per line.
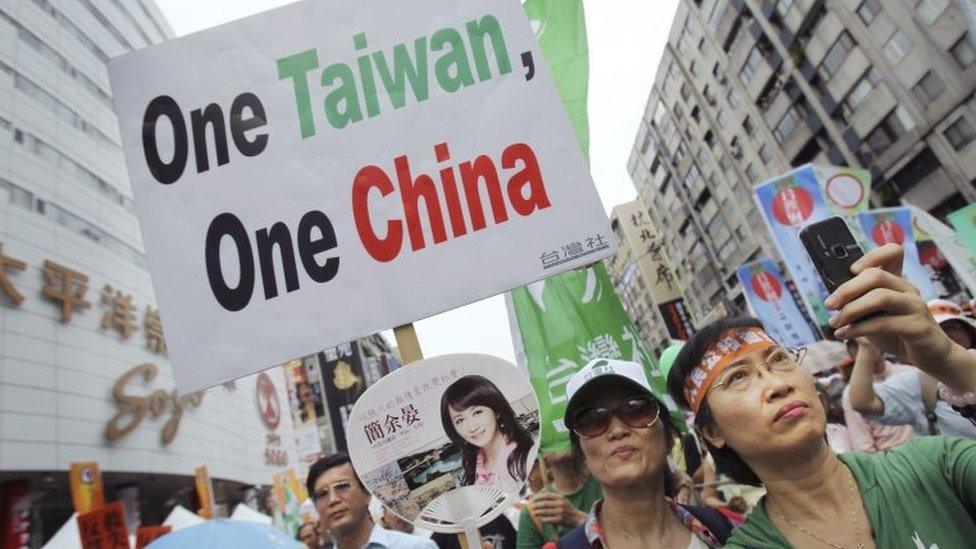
560 28
560 324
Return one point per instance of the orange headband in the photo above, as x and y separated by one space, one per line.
729 348
945 310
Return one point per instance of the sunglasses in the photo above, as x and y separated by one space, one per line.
637 413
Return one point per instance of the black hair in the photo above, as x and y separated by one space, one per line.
670 432
726 459
331 461
475 390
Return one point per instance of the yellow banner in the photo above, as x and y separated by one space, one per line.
86 486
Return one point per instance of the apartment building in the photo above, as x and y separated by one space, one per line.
749 89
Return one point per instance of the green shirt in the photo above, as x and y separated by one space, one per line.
921 494
529 536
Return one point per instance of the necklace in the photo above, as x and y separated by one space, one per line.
857 539
619 529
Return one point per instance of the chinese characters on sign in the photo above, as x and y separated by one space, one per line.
104 528
67 288
573 250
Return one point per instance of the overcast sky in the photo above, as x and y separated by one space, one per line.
626 40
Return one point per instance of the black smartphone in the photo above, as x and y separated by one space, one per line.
832 249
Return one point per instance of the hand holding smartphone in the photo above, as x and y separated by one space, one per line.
833 249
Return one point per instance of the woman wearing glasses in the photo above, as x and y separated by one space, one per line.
759 414
622 432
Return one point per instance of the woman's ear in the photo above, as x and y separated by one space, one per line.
712 434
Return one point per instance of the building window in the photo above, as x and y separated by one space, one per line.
765 155
930 10
784 129
960 133
659 113
709 140
783 6
929 88
964 52
715 17
696 113
703 48
751 174
862 88
888 131
750 66
694 68
836 56
733 98
684 92
721 118
868 10
898 47
749 127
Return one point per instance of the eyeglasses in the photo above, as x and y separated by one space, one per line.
639 413
741 379
339 489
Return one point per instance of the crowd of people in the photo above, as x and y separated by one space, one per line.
877 451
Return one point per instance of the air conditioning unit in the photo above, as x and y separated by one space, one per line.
723 80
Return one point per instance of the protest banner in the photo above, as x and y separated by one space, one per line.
343 380
561 323
941 254
419 437
964 221
205 493
340 153
288 500
87 492
104 527
802 196
771 302
147 534
894 226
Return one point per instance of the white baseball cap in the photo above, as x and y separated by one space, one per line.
604 368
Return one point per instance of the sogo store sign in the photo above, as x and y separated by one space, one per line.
384 161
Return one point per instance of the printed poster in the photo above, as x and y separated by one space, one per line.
446 439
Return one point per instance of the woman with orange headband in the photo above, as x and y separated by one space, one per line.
760 416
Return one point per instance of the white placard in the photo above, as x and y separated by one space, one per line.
446 439
330 169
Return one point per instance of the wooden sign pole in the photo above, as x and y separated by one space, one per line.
409 347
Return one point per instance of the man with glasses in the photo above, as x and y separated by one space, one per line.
343 506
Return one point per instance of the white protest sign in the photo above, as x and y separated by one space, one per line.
329 169
447 440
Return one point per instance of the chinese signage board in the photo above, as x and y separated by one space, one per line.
104 527
420 439
327 155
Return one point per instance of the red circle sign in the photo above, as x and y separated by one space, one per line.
767 286
888 231
268 404
792 206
